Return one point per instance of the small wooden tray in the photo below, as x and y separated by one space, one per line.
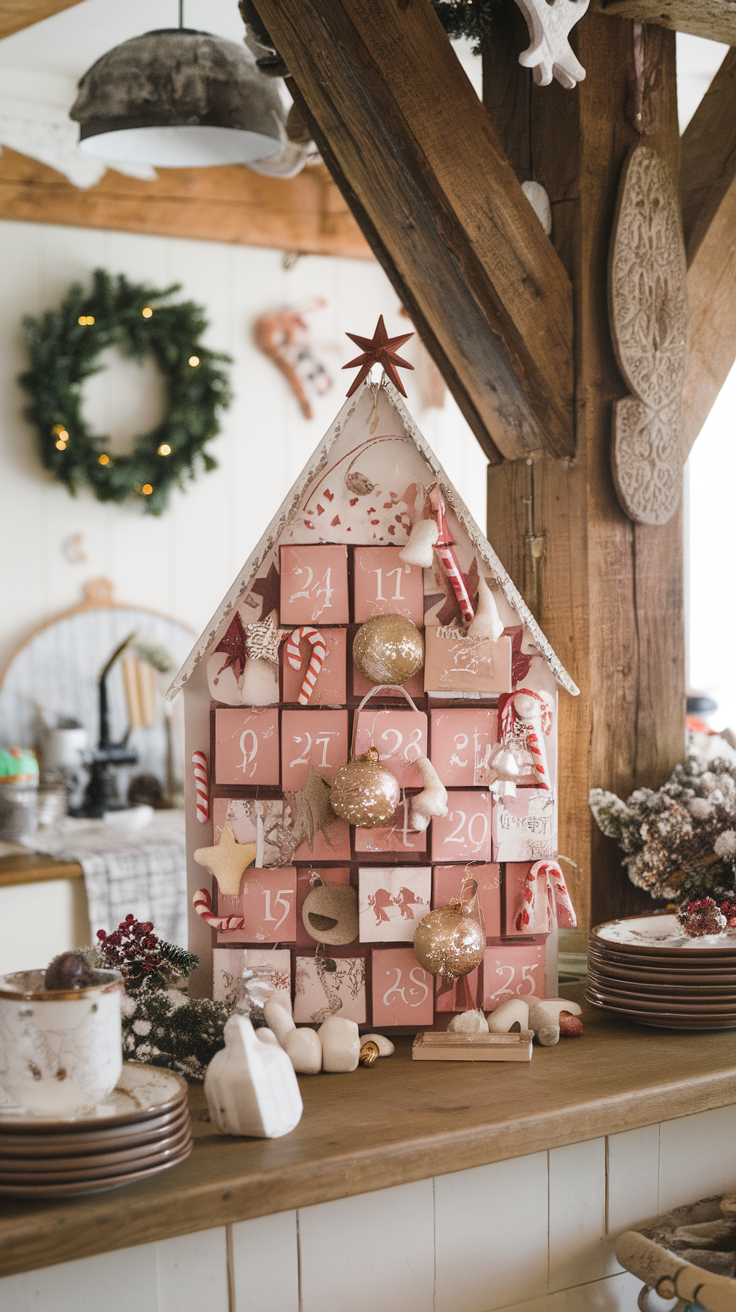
439 1045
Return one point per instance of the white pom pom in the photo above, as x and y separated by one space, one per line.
487 622
419 550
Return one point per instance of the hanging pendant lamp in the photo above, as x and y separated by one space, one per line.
177 98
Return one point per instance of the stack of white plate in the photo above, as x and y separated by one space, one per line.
646 969
143 1128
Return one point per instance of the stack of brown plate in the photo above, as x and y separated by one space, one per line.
143 1128
646 969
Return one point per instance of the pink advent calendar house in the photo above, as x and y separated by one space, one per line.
275 706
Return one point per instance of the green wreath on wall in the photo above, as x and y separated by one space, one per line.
65 346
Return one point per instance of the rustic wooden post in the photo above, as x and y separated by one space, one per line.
607 592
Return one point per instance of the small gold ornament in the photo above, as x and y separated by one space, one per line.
364 792
450 941
388 649
369 1054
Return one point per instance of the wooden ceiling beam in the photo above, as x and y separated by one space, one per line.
17 14
713 19
708 193
228 204
412 149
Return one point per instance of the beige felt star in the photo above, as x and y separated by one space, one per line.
227 861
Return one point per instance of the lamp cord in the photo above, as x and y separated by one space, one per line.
181 14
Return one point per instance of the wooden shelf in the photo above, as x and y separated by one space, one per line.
395 1122
34 868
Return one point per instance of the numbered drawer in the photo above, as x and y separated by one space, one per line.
312 740
464 994
515 877
267 903
458 664
399 736
330 686
391 902
247 746
525 826
513 972
228 965
383 584
330 844
448 882
394 838
305 882
464 834
403 991
242 816
314 585
321 982
460 746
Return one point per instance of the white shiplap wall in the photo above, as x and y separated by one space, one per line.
183 562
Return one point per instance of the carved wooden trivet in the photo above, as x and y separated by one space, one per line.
649 318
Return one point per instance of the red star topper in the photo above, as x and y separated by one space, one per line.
380 349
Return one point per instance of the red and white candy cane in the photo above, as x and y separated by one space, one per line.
443 546
201 783
550 876
203 906
294 657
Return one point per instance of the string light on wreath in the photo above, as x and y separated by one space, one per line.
138 320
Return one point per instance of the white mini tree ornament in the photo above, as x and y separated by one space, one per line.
550 54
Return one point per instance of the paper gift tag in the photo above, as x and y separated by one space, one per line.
464 834
267 902
453 663
399 736
515 874
304 884
392 901
394 838
383 584
512 972
330 685
228 965
312 740
525 826
241 816
402 989
448 882
247 746
329 986
460 745
314 585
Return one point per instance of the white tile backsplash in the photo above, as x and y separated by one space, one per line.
579 1250
696 1157
192 1272
491 1235
374 1251
633 1178
116 1282
615 1294
266 1264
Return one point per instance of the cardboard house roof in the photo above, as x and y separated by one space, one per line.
383 418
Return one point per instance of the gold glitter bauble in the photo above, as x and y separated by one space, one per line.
364 792
450 941
388 649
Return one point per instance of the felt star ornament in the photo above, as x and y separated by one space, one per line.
233 644
380 349
227 861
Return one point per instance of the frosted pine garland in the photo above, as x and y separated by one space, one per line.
680 840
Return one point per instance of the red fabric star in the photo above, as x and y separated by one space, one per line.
380 349
233 644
